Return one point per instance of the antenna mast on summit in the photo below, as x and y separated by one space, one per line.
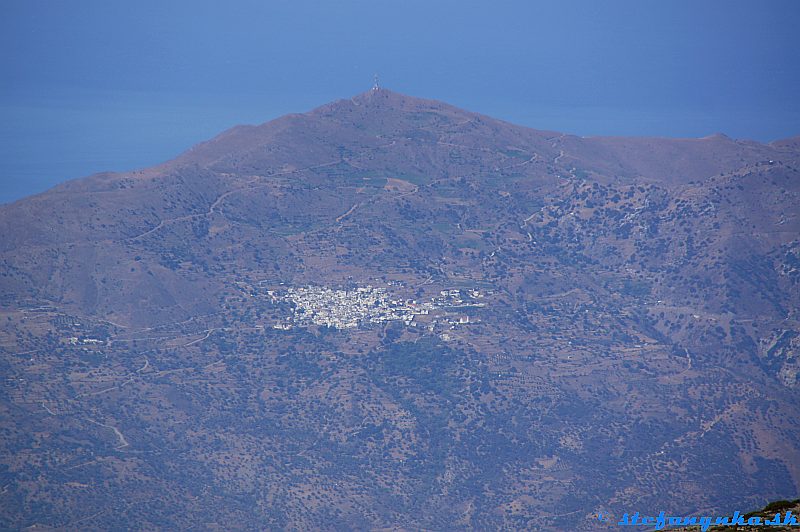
375 86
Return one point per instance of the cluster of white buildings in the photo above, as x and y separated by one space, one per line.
346 309
74 340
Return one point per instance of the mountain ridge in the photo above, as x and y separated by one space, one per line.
388 101
389 312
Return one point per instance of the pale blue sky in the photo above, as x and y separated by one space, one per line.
91 85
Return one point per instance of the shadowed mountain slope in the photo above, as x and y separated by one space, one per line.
389 312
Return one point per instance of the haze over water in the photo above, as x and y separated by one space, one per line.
98 86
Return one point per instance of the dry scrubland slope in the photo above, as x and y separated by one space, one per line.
620 330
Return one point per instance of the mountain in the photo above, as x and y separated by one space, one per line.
392 313
778 515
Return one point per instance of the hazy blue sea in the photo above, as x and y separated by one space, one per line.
110 85
45 141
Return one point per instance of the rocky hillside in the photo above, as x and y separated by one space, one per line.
389 312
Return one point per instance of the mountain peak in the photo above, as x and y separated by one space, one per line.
384 100
365 116
446 277
382 96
